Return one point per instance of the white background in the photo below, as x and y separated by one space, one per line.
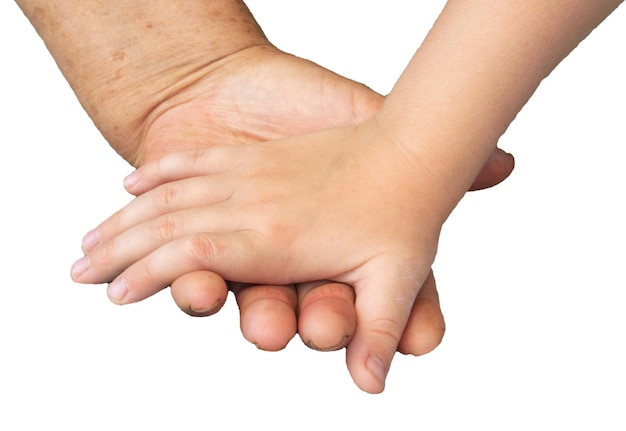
531 273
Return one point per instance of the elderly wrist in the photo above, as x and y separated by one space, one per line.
125 58
136 84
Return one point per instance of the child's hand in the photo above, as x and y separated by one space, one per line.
257 96
340 205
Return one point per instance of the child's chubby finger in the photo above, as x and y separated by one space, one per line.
385 293
426 326
109 259
168 198
180 165
237 256
326 314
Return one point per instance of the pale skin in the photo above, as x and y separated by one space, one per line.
151 94
340 204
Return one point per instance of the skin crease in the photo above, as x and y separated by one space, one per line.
139 137
270 216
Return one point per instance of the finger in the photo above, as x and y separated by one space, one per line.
267 314
108 260
497 168
384 297
425 328
168 198
181 165
326 315
199 293
238 256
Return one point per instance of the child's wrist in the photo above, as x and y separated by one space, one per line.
418 169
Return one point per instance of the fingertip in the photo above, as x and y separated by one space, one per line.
325 346
267 315
117 291
426 326
368 371
384 298
79 268
199 293
371 351
205 311
497 168
268 324
326 315
506 162
131 181
90 241
378 369
424 330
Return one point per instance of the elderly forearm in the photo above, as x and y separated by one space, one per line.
479 65
124 59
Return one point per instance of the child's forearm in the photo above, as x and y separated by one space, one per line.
481 62
125 58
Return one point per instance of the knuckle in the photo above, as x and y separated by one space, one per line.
388 330
201 248
166 196
104 255
164 228
192 158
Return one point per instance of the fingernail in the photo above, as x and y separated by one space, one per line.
131 180
337 346
117 290
377 368
206 311
91 240
79 267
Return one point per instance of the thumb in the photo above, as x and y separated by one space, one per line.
497 168
384 299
